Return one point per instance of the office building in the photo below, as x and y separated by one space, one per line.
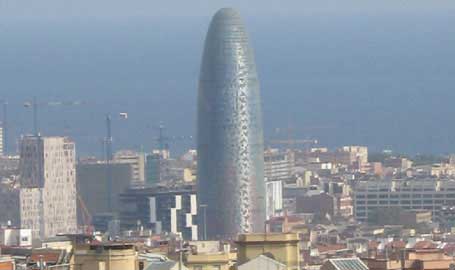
161 209
153 168
137 162
229 131
48 185
92 184
417 194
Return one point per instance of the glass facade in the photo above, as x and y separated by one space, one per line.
230 136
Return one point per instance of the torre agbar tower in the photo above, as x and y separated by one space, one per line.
230 144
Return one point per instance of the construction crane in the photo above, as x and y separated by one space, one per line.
34 104
163 141
85 215
109 156
291 142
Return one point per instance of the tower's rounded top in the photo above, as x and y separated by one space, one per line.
226 14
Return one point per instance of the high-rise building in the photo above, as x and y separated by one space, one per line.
153 168
229 133
92 182
274 202
48 185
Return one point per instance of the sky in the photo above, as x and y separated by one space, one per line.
115 9
377 73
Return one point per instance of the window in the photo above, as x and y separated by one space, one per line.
216 267
197 267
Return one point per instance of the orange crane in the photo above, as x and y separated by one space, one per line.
85 215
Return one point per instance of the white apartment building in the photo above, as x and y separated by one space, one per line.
48 185
10 236
278 165
353 153
417 194
274 200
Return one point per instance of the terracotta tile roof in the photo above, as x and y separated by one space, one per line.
398 244
424 245
373 244
47 257
329 247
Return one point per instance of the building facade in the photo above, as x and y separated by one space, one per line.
92 184
171 210
278 165
284 247
153 168
274 193
422 194
137 162
229 131
48 185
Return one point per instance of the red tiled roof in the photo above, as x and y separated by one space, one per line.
47 257
373 244
424 245
397 244
330 247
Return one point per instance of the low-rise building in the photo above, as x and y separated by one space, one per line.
262 262
284 247
10 236
414 259
109 256
209 261
7 263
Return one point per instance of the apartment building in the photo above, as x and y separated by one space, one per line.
48 185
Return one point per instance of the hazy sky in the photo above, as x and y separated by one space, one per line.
71 9
378 73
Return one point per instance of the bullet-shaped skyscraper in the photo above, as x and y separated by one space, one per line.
231 184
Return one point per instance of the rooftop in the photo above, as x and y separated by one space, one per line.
348 264
267 237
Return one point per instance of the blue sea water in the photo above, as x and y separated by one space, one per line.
381 80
